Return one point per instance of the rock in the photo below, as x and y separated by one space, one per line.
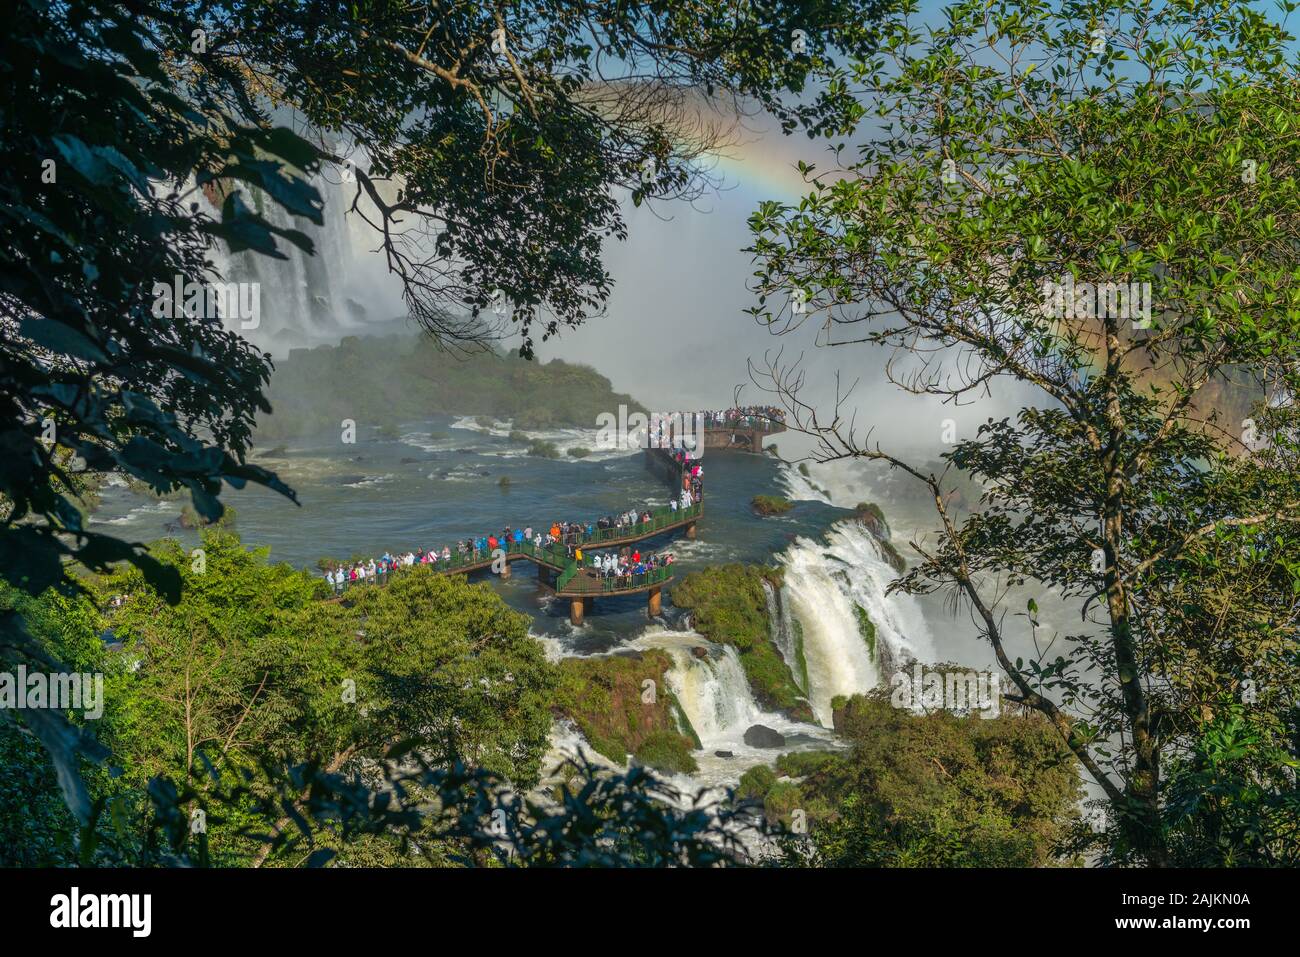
699 651
723 754
761 736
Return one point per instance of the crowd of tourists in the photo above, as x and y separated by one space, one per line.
744 417
567 537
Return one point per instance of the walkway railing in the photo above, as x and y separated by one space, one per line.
556 556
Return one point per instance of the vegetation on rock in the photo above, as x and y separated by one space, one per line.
622 705
770 505
391 379
729 605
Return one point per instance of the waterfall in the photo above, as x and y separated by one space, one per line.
712 690
852 632
786 632
714 693
306 299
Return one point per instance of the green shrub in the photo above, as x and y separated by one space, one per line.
667 751
756 782
543 449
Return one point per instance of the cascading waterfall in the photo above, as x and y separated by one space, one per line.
787 633
310 299
852 632
714 694
716 699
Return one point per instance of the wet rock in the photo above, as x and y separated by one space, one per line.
761 736
700 652
723 754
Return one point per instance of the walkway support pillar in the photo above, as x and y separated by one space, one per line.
655 605
577 609
505 571
690 531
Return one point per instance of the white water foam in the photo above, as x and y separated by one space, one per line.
823 582
562 439
717 700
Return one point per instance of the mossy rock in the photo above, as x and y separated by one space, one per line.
606 698
866 628
803 470
770 505
728 605
578 452
519 437
871 515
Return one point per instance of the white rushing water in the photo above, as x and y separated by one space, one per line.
828 585
305 300
715 696
593 440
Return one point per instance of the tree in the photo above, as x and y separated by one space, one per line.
489 146
1099 201
122 116
935 790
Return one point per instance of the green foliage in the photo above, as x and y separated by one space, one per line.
1232 801
667 751
770 504
256 662
607 698
728 605
1147 483
36 827
933 790
756 782
543 449
578 452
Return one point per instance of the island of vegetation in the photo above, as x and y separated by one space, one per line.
383 381
770 505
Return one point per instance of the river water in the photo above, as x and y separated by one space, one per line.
440 480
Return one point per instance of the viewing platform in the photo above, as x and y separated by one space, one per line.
579 583
745 434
